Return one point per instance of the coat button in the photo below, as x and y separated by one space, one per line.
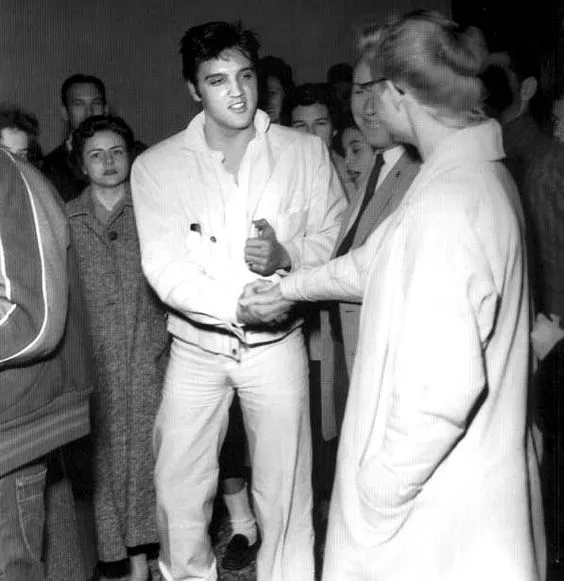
113 235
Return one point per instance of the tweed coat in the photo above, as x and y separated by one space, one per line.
130 341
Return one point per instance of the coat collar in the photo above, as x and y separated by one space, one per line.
478 143
195 139
84 204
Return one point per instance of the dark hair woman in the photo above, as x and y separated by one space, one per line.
128 331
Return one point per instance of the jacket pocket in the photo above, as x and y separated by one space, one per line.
290 223
30 493
385 504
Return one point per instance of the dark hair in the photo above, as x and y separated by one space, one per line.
347 122
526 62
272 66
80 79
89 127
15 118
207 41
341 72
12 117
498 94
313 94
436 59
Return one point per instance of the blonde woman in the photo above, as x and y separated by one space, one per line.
436 475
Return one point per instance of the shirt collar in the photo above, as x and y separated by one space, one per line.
391 156
195 139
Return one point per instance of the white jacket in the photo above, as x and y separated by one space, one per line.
436 477
194 219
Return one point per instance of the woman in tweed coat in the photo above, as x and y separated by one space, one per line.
128 329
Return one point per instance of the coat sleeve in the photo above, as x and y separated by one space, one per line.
33 246
341 279
181 280
449 302
326 206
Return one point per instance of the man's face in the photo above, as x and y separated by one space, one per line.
313 119
83 100
15 141
275 98
227 89
364 101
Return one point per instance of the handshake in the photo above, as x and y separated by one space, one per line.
262 303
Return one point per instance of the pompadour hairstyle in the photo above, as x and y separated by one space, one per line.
207 41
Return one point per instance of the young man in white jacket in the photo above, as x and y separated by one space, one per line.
229 198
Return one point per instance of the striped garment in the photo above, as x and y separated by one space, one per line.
43 402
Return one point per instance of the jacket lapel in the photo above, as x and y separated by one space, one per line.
389 195
385 201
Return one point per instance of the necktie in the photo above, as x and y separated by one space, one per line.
347 241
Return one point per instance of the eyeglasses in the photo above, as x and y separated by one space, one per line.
384 79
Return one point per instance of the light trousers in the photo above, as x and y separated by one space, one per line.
272 383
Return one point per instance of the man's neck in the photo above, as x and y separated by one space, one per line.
231 142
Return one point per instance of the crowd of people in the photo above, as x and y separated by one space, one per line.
338 304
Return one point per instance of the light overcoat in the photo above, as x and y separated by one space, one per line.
436 475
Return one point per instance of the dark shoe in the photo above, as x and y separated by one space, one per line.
239 554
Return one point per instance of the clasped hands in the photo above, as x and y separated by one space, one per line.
261 303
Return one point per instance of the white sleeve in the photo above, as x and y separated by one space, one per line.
171 257
341 279
327 204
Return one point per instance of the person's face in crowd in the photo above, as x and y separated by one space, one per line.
364 107
313 119
275 98
83 100
359 155
15 141
342 91
105 160
227 89
558 114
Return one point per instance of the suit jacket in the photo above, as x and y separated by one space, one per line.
339 323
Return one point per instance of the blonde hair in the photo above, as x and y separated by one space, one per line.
437 61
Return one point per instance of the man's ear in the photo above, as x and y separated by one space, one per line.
194 93
64 114
528 89
106 109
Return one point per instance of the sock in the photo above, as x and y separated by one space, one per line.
240 515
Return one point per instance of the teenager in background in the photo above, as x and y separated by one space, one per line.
128 330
